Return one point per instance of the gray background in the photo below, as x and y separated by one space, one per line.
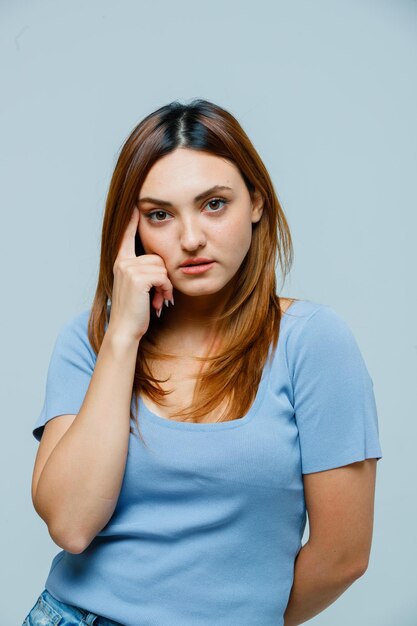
327 92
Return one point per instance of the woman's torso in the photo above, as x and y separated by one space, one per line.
210 516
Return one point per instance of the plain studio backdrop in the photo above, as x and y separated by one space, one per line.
326 90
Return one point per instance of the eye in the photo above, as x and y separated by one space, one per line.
160 211
218 200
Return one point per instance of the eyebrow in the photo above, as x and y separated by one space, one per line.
200 196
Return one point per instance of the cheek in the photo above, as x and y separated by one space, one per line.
234 236
152 244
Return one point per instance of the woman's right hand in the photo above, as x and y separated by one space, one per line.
134 276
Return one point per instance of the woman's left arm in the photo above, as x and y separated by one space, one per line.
340 506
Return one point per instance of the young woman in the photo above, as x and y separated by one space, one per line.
181 446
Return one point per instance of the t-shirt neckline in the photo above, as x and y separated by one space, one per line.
150 416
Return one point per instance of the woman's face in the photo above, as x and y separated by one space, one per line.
218 225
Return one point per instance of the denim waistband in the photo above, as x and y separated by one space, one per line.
58 609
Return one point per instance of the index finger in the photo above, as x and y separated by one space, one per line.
127 246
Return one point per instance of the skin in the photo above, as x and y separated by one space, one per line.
207 228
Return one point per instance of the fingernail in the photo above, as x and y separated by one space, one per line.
159 312
166 303
172 300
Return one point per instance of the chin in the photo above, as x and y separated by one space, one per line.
203 288
198 290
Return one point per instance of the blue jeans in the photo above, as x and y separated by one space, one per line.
48 611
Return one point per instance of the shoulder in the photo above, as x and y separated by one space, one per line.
75 325
307 316
297 313
318 336
318 327
72 338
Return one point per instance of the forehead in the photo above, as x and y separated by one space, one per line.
189 172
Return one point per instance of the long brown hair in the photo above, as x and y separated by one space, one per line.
250 321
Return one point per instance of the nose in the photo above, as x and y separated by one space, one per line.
192 235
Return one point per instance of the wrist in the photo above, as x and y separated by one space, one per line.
121 339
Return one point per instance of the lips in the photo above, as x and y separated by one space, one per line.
192 264
196 261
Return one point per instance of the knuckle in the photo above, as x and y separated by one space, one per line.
137 279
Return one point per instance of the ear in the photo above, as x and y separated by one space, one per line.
257 206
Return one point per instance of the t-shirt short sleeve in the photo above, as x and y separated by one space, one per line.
70 369
333 397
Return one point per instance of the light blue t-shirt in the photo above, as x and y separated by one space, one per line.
210 517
